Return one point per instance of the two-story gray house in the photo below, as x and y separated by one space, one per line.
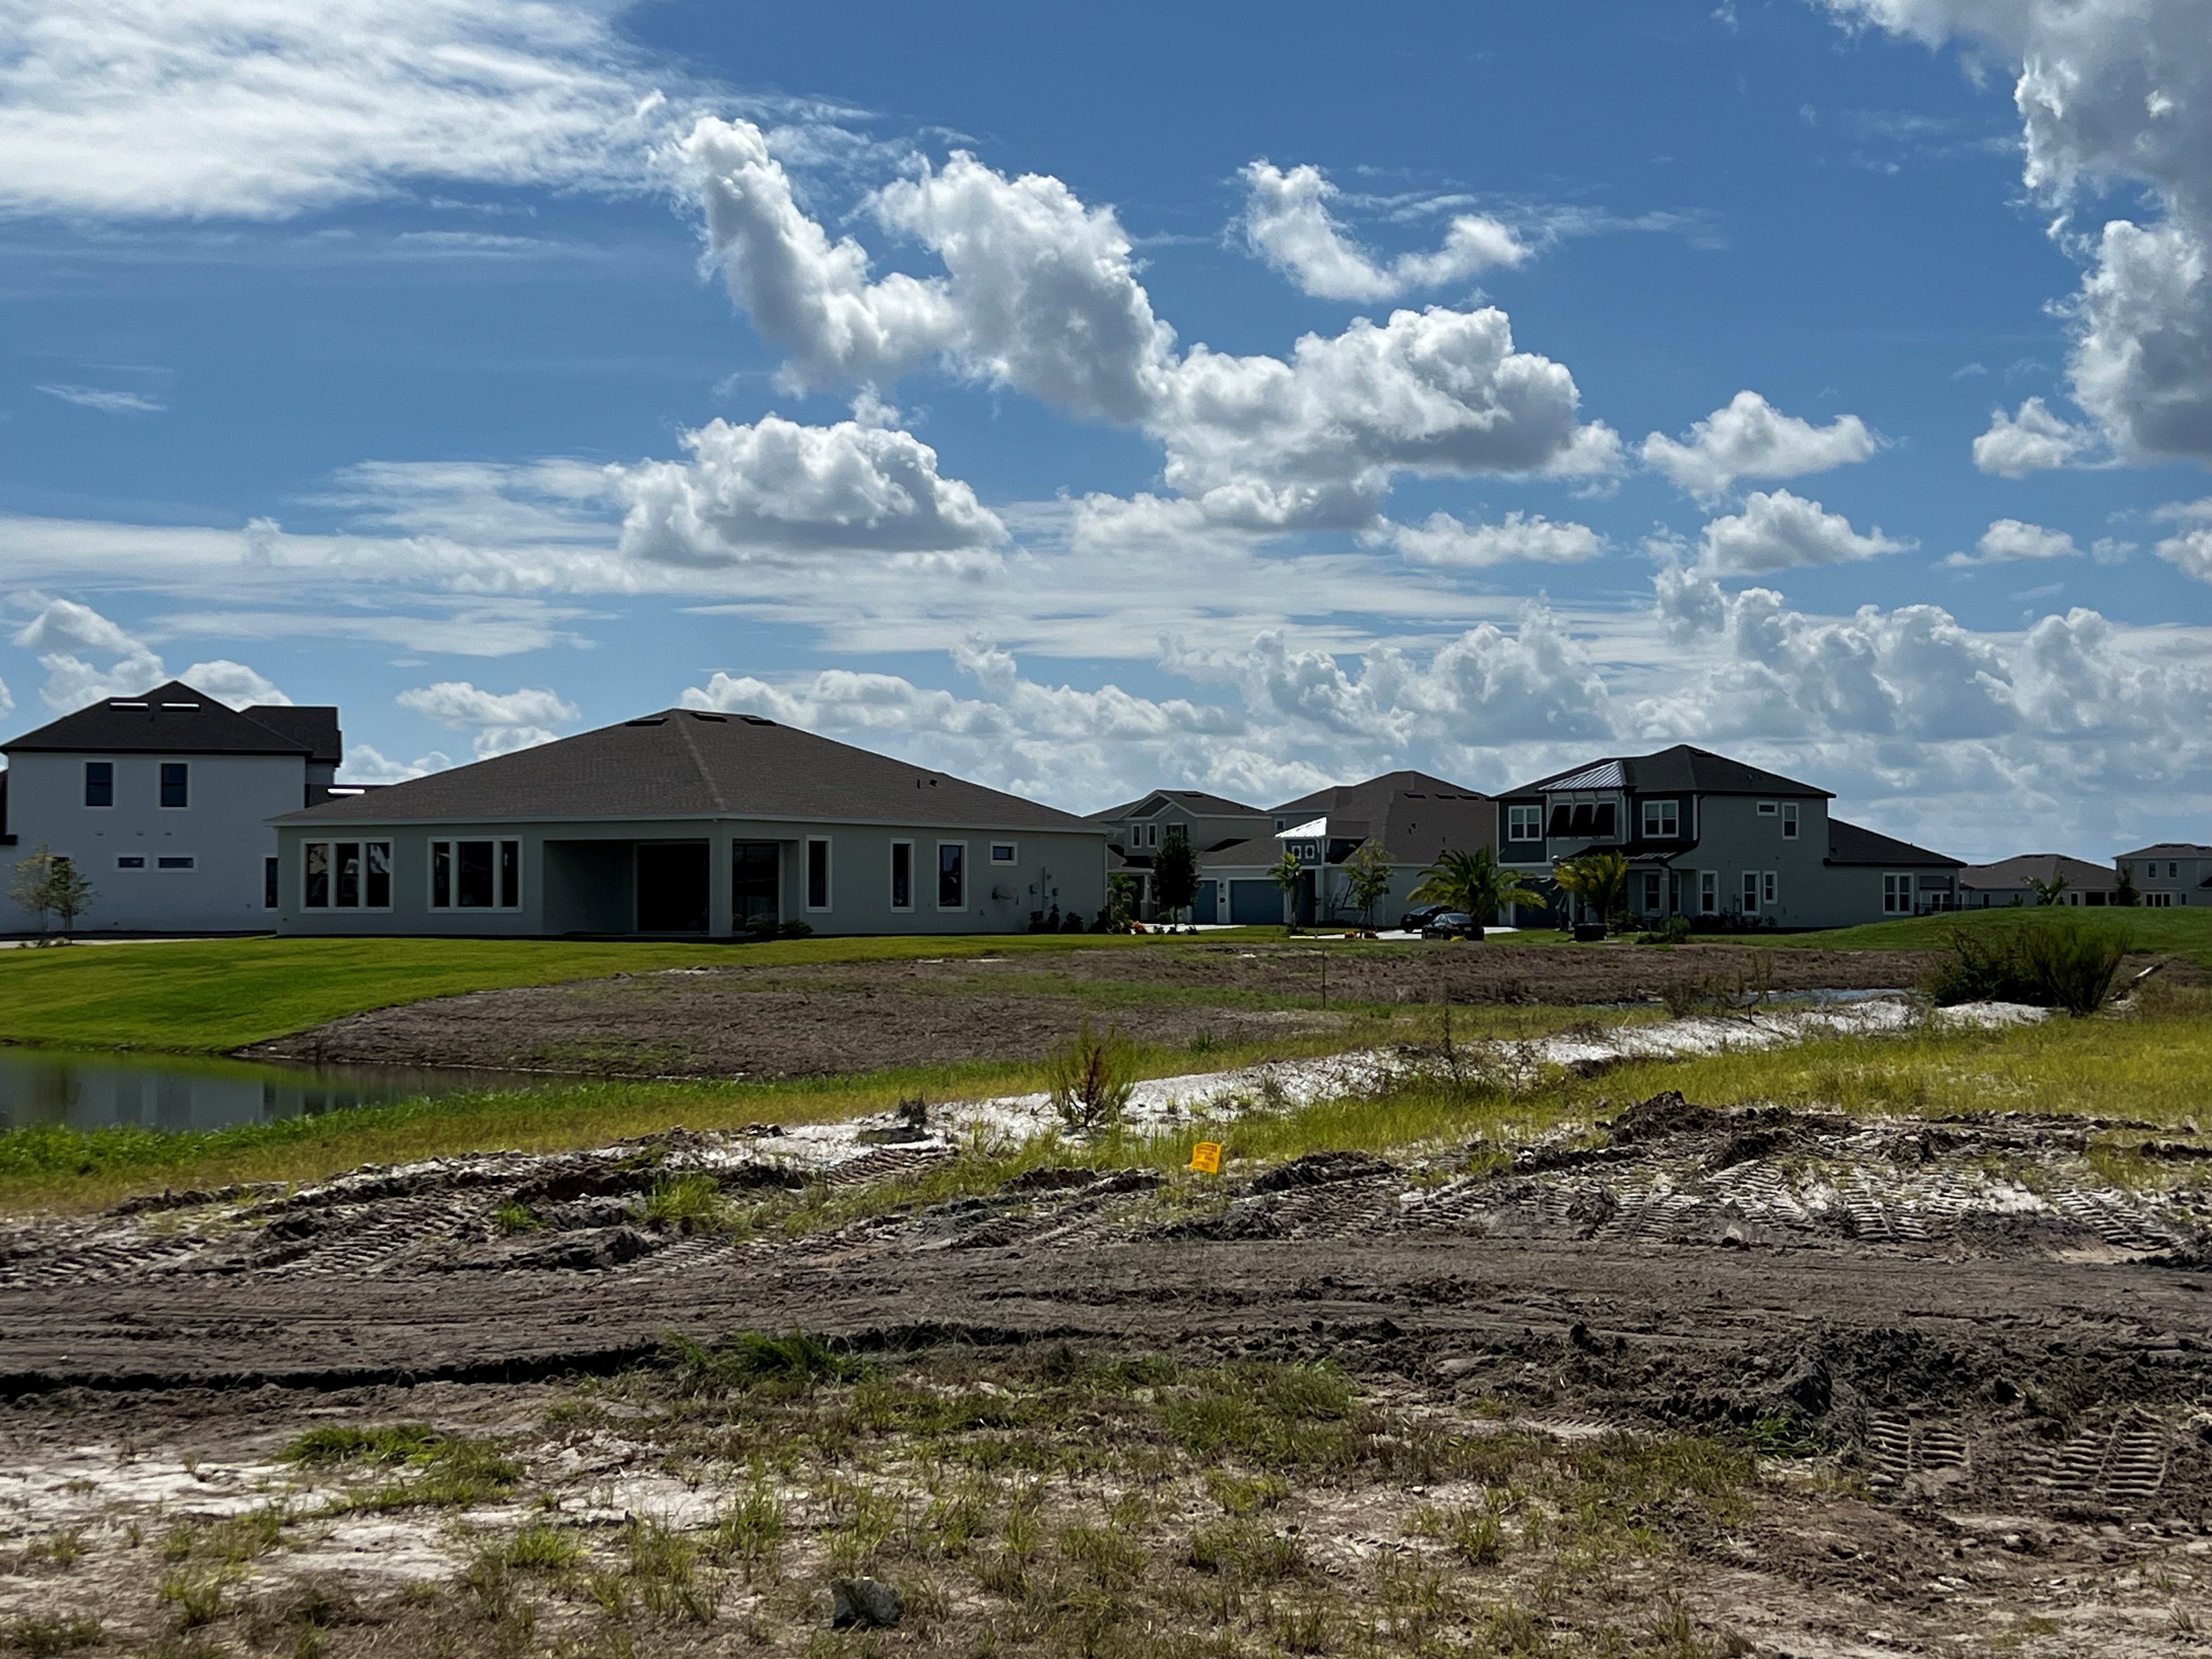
1135 828
684 822
1709 837
2169 873
1413 816
162 801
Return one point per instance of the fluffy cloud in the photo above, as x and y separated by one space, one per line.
1039 294
2009 539
1781 531
501 721
259 109
1288 223
1752 439
2109 92
2189 549
65 634
2033 441
1442 539
777 487
364 763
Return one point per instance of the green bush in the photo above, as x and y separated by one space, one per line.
2059 963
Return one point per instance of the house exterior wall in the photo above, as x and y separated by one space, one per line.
579 876
2177 877
223 828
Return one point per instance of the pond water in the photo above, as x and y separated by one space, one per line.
93 1091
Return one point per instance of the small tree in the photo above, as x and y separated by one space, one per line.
2125 891
1474 883
33 886
69 893
1286 873
1367 877
1598 880
1174 873
2047 892
1121 889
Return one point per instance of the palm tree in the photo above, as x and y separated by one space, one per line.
1474 882
1598 880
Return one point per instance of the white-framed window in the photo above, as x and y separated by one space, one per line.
902 875
1663 820
99 783
1750 892
475 875
341 875
1525 823
1307 849
1766 809
952 875
1651 893
1005 851
818 872
130 861
1151 835
1897 894
1769 887
1709 892
2172 870
1788 820
176 861
176 784
2158 901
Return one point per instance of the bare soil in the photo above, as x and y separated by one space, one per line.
765 1022
1978 1376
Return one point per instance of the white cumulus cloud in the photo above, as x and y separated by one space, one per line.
1779 531
1442 539
2007 539
2033 441
502 721
1288 223
66 635
1752 439
2189 549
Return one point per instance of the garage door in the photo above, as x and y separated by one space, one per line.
1255 902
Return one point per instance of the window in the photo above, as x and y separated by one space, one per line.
1788 820
176 861
1307 848
1766 809
1768 887
340 875
2173 869
268 883
1151 835
1663 820
176 784
99 783
1651 893
1525 823
1003 852
2159 900
1709 892
952 874
1750 892
756 878
902 875
130 863
1897 895
470 875
818 872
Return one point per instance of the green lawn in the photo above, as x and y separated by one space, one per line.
2185 931
209 996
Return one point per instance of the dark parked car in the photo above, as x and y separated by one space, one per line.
1420 917
1452 924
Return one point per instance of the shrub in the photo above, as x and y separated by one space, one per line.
795 929
1090 1080
2058 964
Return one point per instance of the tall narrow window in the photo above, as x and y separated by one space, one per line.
441 875
176 784
902 875
1709 892
472 876
756 877
1767 888
376 885
952 874
269 868
1788 820
818 873
316 895
510 875
1651 893
345 857
99 783
1750 892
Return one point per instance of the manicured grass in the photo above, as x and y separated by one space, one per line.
209 996
2183 931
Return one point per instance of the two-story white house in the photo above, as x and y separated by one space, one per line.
163 802
1718 841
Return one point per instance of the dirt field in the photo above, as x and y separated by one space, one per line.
780 1022
1943 1387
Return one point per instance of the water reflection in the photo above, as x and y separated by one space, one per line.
93 1091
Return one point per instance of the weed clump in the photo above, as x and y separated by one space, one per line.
751 1361
450 1471
2059 963
1090 1080
42 1635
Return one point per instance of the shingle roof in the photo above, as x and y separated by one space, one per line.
1371 798
1196 800
685 762
177 719
1697 771
1848 843
2171 849
315 725
2018 872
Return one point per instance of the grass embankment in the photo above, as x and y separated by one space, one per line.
2185 931
209 996
54 1167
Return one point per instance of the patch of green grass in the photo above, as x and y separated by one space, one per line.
43 1635
751 1361
428 1467
2182 930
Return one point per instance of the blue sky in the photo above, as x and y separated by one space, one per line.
1235 396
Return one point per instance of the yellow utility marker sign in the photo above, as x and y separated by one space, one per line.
1206 1158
